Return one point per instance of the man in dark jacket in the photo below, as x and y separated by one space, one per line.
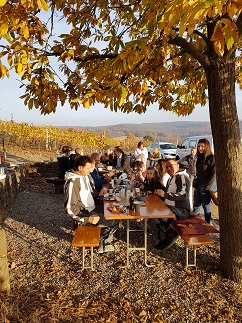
73 157
176 197
121 160
64 162
99 180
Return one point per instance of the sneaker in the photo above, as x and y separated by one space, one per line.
105 248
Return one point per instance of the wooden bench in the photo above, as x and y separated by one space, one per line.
86 236
194 241
58 182
193 231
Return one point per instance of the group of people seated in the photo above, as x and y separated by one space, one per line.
84 190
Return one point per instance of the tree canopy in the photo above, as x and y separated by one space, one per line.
123 54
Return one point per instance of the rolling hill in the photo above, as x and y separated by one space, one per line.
162 131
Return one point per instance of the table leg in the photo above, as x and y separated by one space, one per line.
145 242
127 245
144 248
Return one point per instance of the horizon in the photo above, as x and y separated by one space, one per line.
13 108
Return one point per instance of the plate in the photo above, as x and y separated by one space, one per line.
115 209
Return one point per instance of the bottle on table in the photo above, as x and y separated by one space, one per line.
115 178
131 200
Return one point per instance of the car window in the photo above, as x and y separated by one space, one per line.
193 143
168 146
185 144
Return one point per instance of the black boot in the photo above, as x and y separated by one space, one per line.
171 236
208 217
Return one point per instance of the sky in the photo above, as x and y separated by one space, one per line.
12 107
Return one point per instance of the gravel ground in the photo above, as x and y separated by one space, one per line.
47 284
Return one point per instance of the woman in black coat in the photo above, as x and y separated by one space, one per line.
205 169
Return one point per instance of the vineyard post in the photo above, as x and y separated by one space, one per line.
47 138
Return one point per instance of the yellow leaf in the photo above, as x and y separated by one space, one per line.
143 313
42 5
75 100
25 31
50 106
70 54
2 2
62 96
218 39
30 104
121 101
183 24
19 68
40 61
86 103
4 26
3 71
218 4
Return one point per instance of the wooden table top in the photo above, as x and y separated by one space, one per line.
154 208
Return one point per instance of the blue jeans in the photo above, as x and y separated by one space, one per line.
201 199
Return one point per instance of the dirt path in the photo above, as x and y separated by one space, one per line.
47 284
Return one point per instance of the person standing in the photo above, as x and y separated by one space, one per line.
191 161
106 158
141 153
155 156
205 177
64 162
73 157
121 160
161 169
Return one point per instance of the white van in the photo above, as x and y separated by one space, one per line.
185 148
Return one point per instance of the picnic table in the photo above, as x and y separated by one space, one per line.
153 207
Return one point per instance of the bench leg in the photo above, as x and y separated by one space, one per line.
83 258
194 264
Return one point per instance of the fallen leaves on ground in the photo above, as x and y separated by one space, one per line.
48 285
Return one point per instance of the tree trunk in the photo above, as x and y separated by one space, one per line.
228 157
4 272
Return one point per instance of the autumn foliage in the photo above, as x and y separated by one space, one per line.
125 55
27 136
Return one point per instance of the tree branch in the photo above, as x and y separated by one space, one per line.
87 58
190 49
203 36
239 25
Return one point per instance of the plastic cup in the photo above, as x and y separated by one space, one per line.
137 205
137 191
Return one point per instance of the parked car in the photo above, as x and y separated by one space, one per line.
185 148
167 149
